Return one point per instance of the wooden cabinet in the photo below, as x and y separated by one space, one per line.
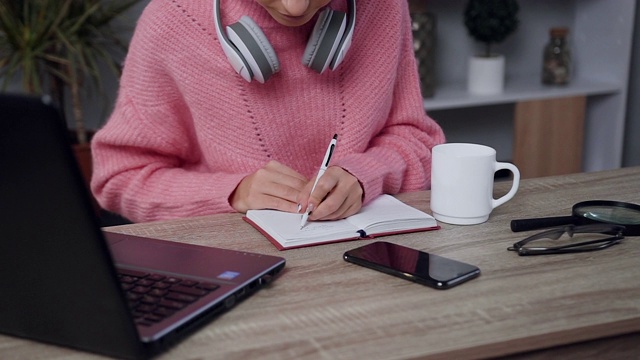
548 136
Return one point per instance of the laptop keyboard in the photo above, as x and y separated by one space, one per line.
154 297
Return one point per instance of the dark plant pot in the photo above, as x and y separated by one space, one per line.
83 156
82 153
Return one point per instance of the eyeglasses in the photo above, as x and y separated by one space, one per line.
555 233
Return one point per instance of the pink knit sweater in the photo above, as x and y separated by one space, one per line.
186 129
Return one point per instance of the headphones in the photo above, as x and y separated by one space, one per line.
253 57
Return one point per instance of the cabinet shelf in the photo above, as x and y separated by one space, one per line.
454 95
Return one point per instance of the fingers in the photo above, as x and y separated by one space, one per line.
277 167
275 186
279 181
338 194
343 208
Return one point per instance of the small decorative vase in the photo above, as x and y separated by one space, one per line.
556 62
486 75
424 46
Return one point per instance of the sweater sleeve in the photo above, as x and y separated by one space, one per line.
145 173
146 157
398 158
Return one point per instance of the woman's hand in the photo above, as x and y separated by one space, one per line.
337 195
275 186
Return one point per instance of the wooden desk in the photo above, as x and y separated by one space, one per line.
324 308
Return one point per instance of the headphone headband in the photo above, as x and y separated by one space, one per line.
251 55
238 62
345 42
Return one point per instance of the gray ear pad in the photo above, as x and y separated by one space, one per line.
325 37
255 46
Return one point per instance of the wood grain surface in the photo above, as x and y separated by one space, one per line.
548 136
324 308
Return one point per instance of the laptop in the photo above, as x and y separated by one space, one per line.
64 281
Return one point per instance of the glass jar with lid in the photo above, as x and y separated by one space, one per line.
556 66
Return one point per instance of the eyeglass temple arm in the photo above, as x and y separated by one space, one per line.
539 223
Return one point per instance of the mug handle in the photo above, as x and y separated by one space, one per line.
514 186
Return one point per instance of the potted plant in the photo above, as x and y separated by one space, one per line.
489 22
59 48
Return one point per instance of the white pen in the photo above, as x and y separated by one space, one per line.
323 168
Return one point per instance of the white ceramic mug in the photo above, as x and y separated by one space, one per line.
462 177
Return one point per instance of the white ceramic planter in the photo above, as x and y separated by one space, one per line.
486 75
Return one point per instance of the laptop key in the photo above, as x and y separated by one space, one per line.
148 299
157 277
181 297
163 311
207 286
172 280
162 285
157 292
140 289
188 290
128 279
171 304
188 283
133 273
145 282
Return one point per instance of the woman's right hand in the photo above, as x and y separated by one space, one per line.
275 186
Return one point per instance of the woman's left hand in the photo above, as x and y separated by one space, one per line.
337 195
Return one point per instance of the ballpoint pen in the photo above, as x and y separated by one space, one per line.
323 168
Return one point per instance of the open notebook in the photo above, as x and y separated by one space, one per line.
385 215
64 281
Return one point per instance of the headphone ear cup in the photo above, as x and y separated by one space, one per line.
254 46
324 40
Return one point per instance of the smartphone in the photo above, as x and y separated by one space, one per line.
414 265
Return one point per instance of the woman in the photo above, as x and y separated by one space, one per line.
189 136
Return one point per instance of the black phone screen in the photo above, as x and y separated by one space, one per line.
411 264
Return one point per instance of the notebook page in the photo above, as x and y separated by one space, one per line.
386 213
287 226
